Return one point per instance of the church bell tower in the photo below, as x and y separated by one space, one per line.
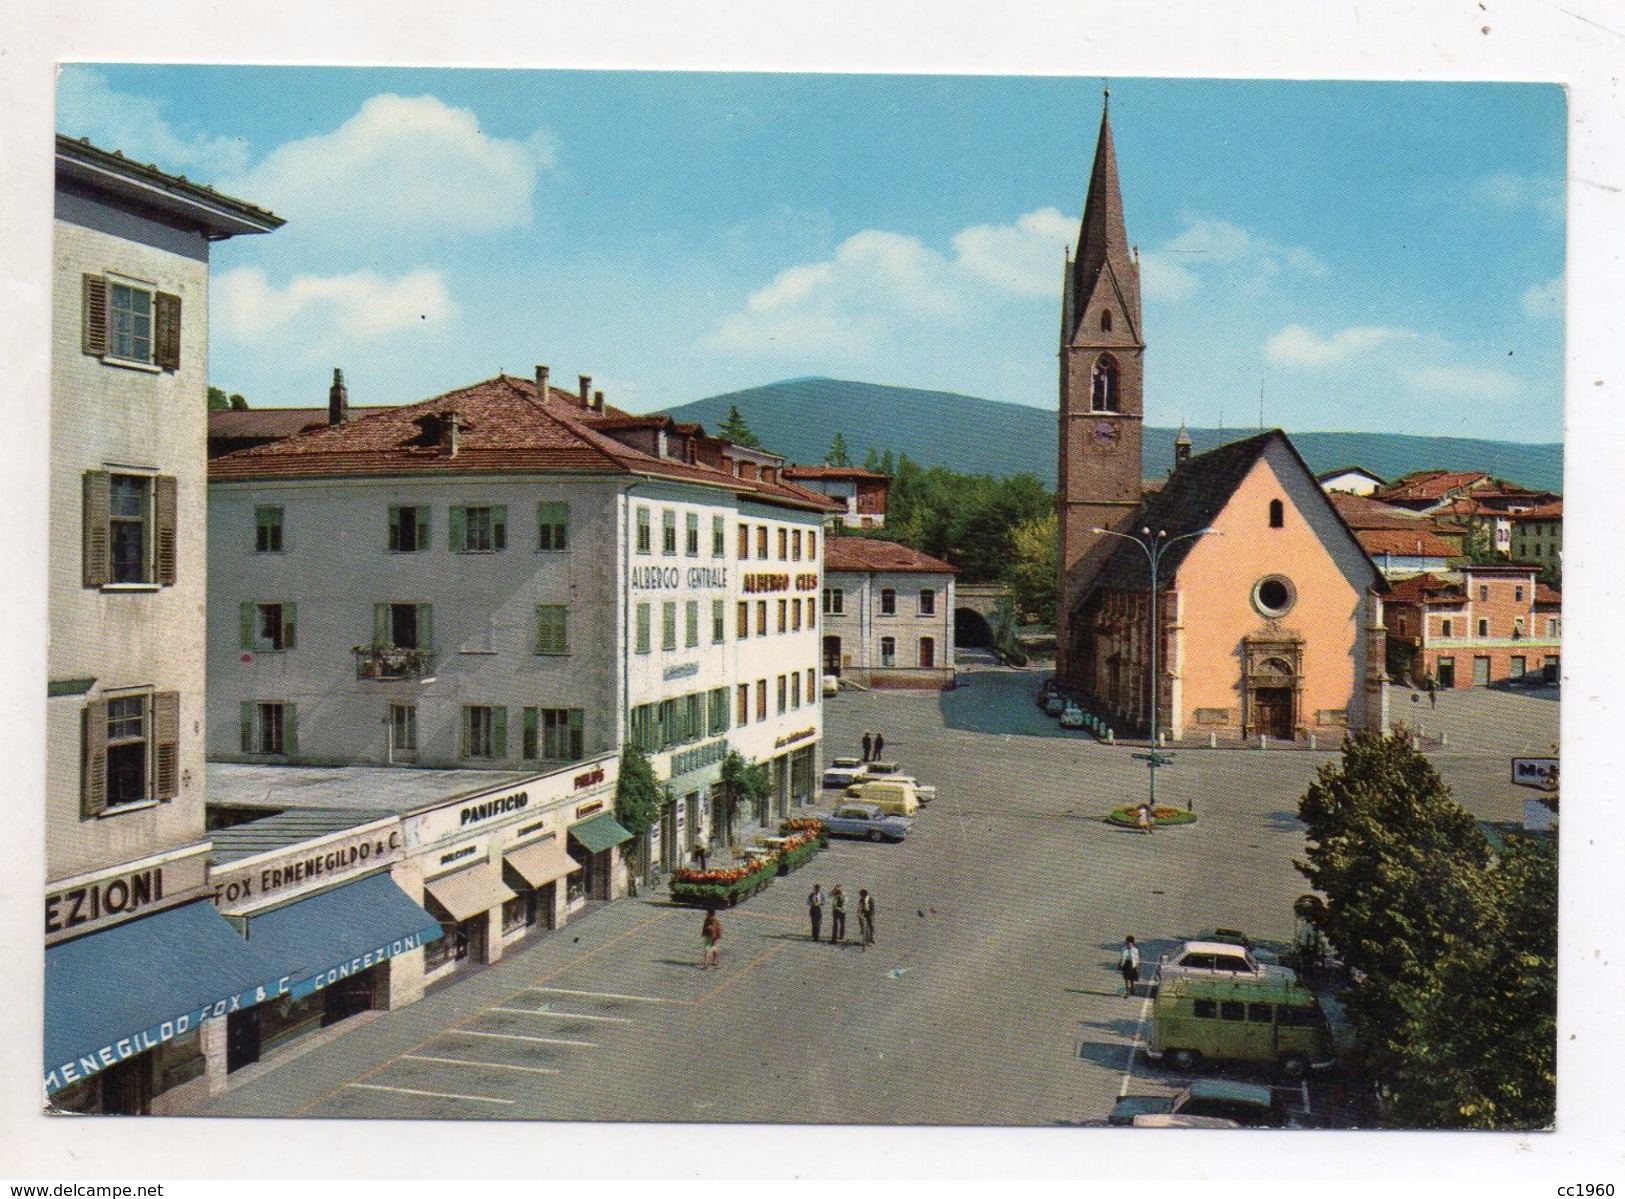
1102 373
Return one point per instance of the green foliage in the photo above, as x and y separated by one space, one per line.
638 799
743 781
1032 570
218 400
1128 816
238 403
1478 546
736 430
1453 953
837 455
1005 642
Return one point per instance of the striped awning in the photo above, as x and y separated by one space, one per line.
541 862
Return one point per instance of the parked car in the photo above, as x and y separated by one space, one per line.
843 772
1055 704
1248 1105
832 684
1072 717
867 820
892 772
1209 959
897 796
1233 1018
1234 936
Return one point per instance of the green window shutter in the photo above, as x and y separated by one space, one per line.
94 740
426 626
576 738
499 732
394 527
468 731
167 334
499 526
290 729
289 618
165 510
423 527
245 712
166 735
530 746
380 624
246 625
459 539
94 315
98 516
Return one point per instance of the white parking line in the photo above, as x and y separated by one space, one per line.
609 995
1305 1085
1128 1071
372 1086
513 1036
463 1061
530 1011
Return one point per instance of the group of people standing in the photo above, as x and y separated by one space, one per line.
836 899
873 746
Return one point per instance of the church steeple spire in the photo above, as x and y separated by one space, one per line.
1104 271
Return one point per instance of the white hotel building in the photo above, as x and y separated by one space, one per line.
515 578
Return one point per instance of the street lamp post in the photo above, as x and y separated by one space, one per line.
1154 545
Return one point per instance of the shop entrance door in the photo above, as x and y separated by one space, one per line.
1447 674
1481 672
127 1087
1272 712
832 655
347 997
928 653
242 1039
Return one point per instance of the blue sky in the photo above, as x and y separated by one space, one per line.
1383 257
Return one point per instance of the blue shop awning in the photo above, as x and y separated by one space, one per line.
114 994
335 934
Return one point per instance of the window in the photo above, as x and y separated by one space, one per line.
761 541
1483 592
408 528
812 690
1297 1017
1517 628
1206 1009
795 545
1232 1009
1103 395
812 545
552 525
834 598
552 629
268 529
130 750
403 728
928 602
485 732
269 728
129 529
795 690
1260 1013
126 321
1444 627
1277 514
267 628
691 624
761 618
668 625
784 616
888 651
1553 625
553 734
743 717
668 532
719 621
1483 628
795 616
719 537
719 711
1517 595
744 619
479 530
1274 596
1403 626
784 544
744 542
691 538
403 626
1106 321
643 628
643 531
1518 668
761 699
784 694
888 602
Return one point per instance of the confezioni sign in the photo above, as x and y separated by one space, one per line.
78 905
498 809
674 578
306 867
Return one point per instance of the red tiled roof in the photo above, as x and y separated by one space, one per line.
1551 511
1363 512
1547 595
830 472
1425 588
858 554
1404 543
1429 484
234 423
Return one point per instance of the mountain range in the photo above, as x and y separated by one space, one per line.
800 417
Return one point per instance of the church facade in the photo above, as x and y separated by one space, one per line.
1269 620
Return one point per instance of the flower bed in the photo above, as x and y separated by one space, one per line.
799 847
724 886
1128 816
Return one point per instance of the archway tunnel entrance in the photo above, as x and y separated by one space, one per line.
971 629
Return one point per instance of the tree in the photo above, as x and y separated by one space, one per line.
218 400
837 452
735 429
742 780
238 403
638 800
1031 571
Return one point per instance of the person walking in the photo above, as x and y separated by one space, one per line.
1143 817
710 937
1433 692
837 914
1128 962
868 744
880 745
815 908
866 918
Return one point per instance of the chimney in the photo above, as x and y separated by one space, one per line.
597 401
338 400
586 389
451 433
541 383
1182 447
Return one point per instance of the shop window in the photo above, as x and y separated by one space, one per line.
888 602
267 628
552 629
479 529
552 525
513 914
129 529
269 728
268 529
485 732
408 528
644 544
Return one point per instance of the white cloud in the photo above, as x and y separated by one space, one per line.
1544 301
360 306
1506 189
1024 258
1161 278
402 164
1300 346
1217 251
135 126
1468 382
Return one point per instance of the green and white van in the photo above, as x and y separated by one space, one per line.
1231 1019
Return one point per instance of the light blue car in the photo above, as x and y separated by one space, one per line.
867 820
